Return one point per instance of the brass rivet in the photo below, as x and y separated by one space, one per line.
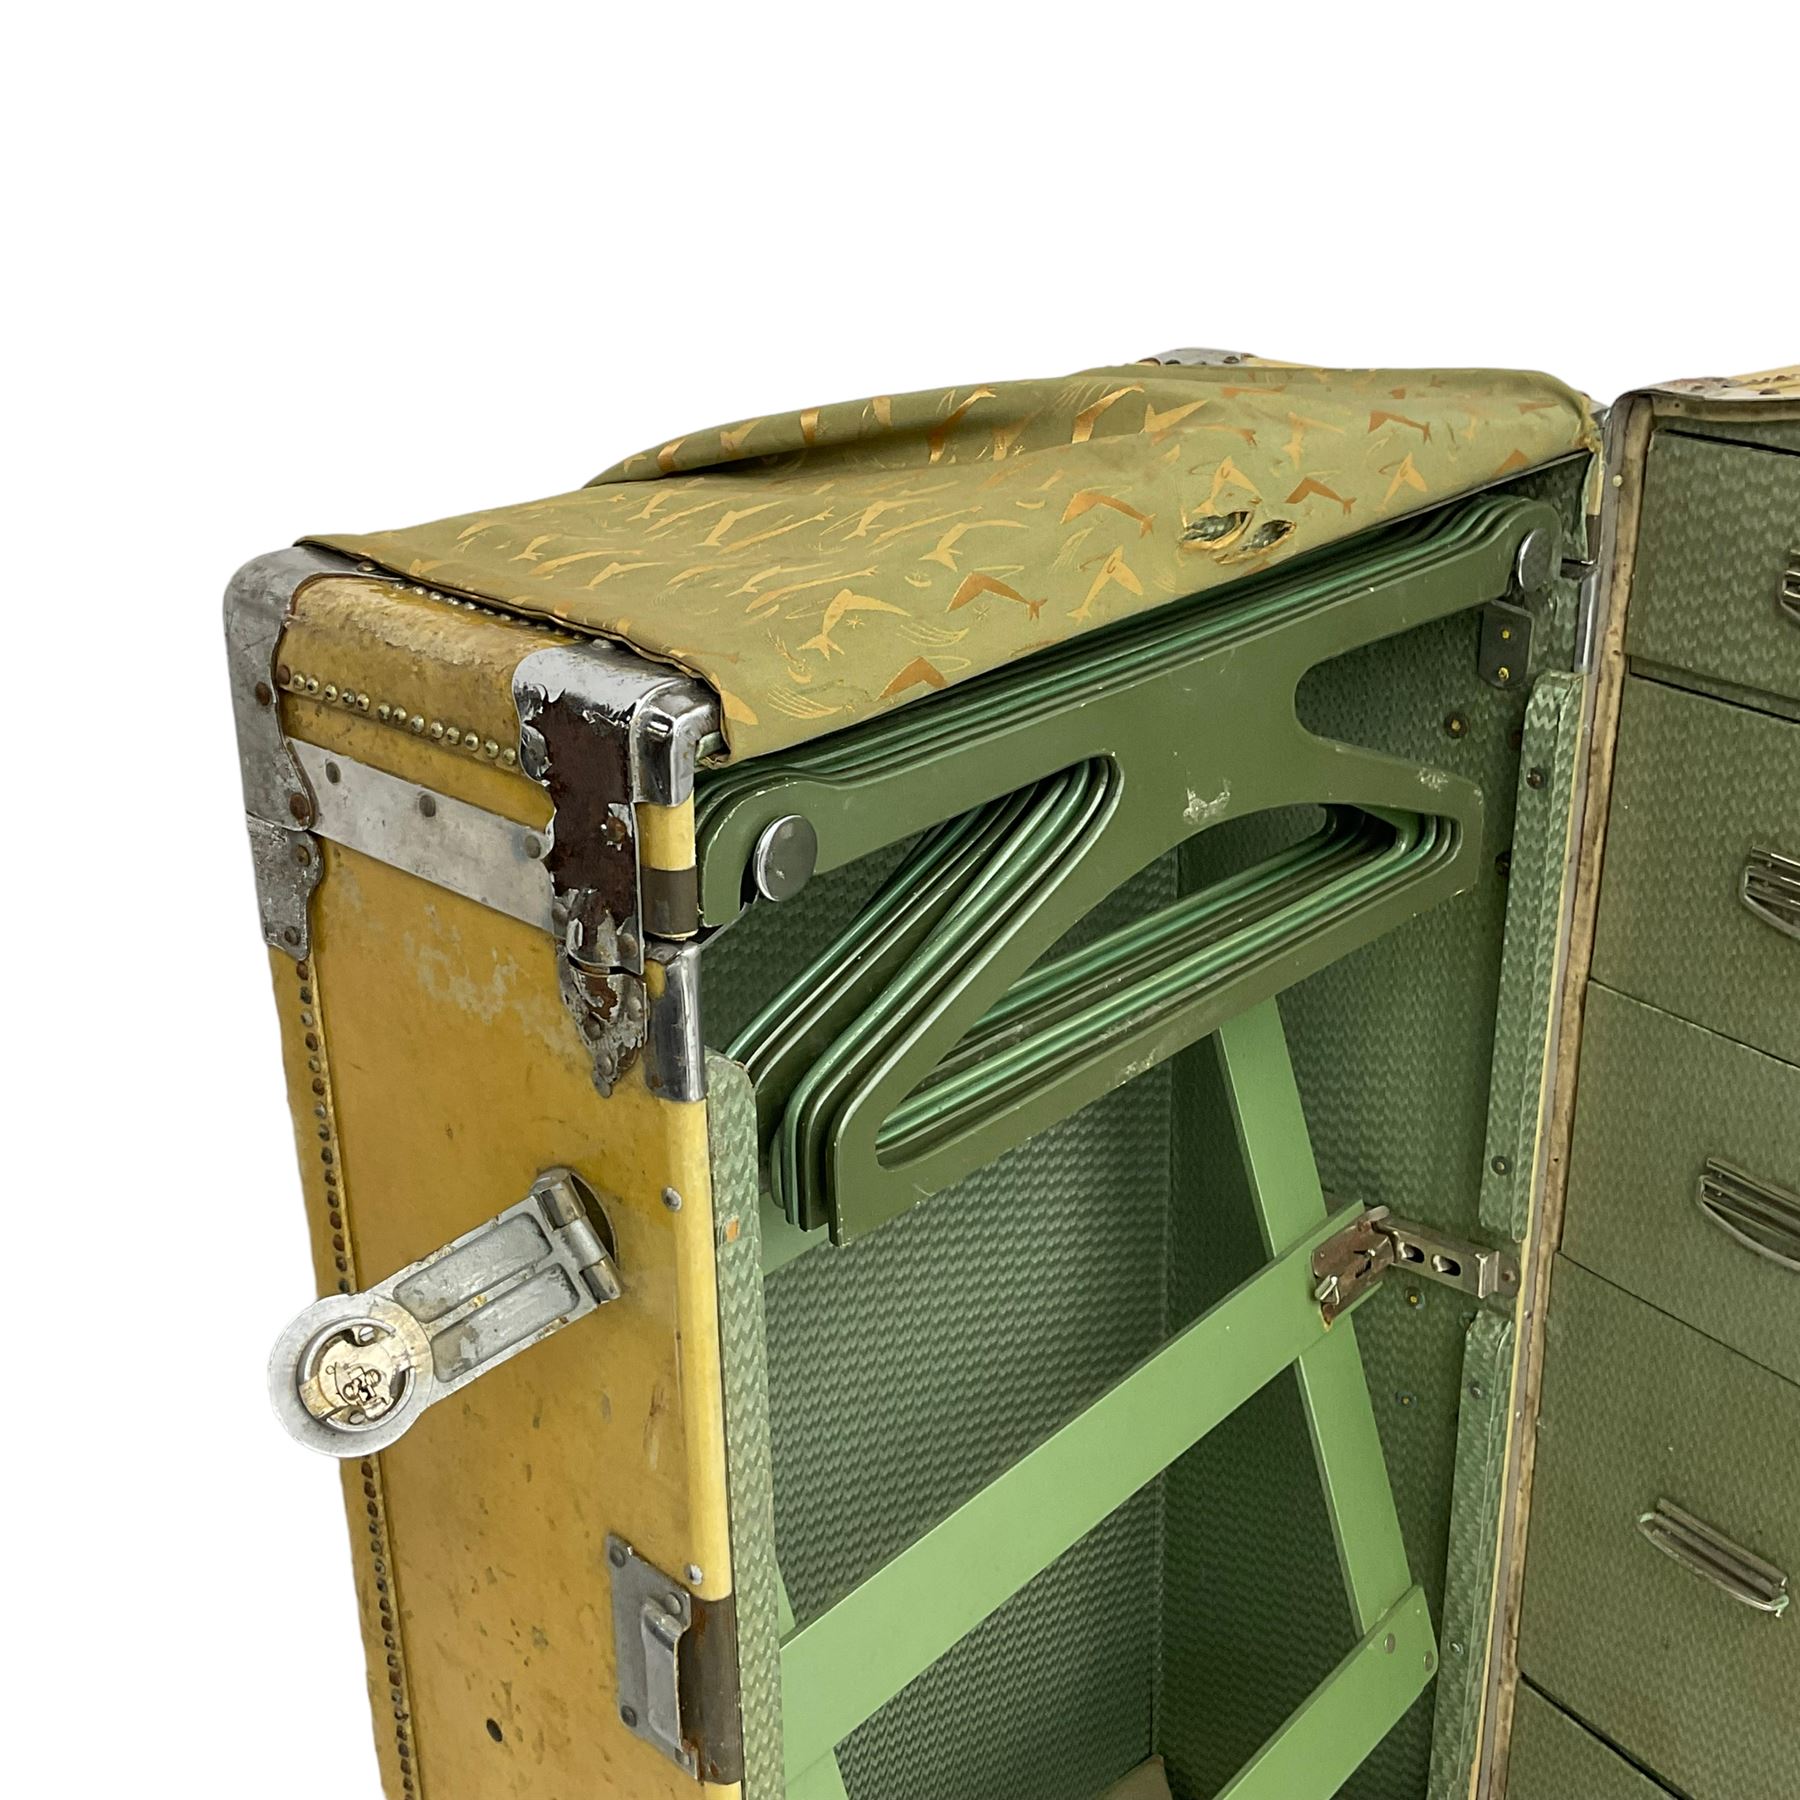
265 695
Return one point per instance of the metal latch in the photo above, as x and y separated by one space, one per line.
1348 1265
355 1370
651 1614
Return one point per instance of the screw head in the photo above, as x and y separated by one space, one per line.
616 1556
1455 725
301 808
671 1199
1535 778
629 1715
1501 1165
428 806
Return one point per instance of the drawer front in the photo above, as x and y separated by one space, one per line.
1704 793
1553 1758
1640 1413
1684 1176
1720 536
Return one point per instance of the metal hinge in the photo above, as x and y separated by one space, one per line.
355 1370
1351 1264
1503 650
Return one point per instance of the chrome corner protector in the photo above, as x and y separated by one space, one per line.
278 804
671 719
258 602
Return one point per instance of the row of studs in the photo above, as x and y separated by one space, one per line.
453 737
319 1086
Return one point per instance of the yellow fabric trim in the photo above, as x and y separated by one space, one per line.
823 566
666 835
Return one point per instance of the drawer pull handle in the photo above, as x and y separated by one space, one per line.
1698 1548
1770 888
1787 598
1764 1218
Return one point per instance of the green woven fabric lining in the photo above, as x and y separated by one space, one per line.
731 1144
1474 1549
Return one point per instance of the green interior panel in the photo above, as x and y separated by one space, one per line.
913 1364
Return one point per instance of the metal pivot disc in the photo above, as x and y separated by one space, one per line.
784 858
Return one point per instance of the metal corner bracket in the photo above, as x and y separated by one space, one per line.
278 804
603 731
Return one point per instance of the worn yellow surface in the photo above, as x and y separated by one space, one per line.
433 1074
823 566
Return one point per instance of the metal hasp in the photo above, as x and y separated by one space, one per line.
951 1018
354 1371
1351 1264
278 804
605 732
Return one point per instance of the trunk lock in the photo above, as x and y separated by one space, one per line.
355 1370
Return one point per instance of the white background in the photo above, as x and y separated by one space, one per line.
309 267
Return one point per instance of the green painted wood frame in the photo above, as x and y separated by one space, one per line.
839 1668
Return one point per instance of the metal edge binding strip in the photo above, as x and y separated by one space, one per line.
466 849
1762 1217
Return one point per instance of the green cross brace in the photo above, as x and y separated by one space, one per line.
844 1665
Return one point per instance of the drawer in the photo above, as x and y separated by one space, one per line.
1553 1758
1640 1415
1703 794
1721 534
1684 1176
